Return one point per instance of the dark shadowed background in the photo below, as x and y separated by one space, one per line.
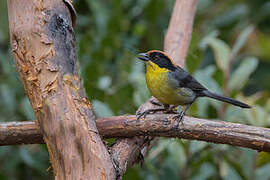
228 36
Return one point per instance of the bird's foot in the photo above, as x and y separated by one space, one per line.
171 110
155 102
179 118
148 111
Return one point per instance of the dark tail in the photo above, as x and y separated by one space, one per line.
225 99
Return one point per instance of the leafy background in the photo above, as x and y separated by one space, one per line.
229 53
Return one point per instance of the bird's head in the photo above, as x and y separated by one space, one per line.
157 60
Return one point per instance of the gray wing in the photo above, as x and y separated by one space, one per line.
181 78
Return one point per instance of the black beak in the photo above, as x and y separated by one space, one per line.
143 56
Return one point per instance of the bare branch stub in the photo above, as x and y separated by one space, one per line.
43 47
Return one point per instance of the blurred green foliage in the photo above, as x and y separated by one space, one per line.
229 36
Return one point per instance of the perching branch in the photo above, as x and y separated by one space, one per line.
16 133
161 125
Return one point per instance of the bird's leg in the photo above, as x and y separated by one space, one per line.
172 109
180 117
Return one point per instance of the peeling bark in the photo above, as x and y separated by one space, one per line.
43 47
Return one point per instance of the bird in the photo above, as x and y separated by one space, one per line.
172 85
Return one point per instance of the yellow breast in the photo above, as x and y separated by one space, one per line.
159 87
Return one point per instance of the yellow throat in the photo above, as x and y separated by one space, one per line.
157 82
161 87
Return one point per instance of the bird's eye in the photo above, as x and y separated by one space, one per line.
154 56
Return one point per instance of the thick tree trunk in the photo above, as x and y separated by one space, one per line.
42 40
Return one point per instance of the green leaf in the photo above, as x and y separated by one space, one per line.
204 76
137 79
262 159
228 172
204 42
196 146
221 51
175 160
202 104
267 105
246 161
257 116
233 114
101 109
241 40
241 75
104 82
26 157
7 98
26 109
141 93
206 170
263 172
